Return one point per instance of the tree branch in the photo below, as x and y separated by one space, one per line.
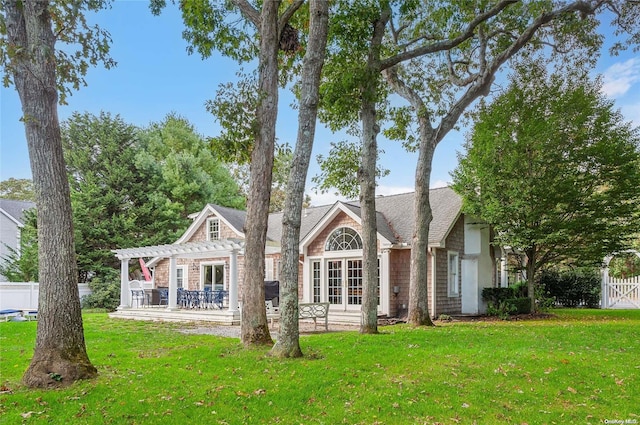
400 87
483 83
288 13
447 44
248 12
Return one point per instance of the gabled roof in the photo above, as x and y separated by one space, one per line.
14 210
233 218
394 218
446 206
352 211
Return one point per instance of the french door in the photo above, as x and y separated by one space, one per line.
344 283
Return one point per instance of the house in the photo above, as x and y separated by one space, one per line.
11 224
209 256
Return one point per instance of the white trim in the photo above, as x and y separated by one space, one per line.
434 276
221 247
208 228
206 212
185 276
343 250
456 291
337 208
213 264
12 218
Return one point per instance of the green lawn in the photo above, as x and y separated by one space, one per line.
582 367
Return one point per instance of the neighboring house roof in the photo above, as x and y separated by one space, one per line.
15 209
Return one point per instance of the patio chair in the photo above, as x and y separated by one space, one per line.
137 293
164 297
218 299
272 312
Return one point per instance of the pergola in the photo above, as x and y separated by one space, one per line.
204 249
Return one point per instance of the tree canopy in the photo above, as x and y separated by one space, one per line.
17 189
133 187
553 167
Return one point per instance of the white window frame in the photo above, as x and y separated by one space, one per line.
453 274
183 282
213 265
213 235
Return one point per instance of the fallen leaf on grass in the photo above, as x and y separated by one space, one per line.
572 390
28 414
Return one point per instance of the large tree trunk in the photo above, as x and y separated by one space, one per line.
288 344
366 175
419 271
367 178
418 284
60 356
254 326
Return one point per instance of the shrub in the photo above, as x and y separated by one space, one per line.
522 305
497 295
502 309
572 288
503 302
105 293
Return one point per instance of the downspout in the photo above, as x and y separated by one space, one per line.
433 282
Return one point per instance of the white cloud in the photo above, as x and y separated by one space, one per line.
619 77
439 183
382 190
325 199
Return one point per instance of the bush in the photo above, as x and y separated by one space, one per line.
105 293
522 305
496 295
503 302
572 288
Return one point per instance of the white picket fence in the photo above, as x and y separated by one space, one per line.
24 295
621 293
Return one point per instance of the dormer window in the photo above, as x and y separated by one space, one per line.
213 229
343 239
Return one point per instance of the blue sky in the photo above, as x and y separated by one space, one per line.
155 76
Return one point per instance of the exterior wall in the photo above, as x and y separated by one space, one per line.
161 273
399 274
455 242
9 232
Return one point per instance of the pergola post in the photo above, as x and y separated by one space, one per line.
173 284
233 281
125 294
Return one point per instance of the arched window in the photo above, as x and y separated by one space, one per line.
343 239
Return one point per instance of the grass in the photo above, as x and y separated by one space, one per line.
581 366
